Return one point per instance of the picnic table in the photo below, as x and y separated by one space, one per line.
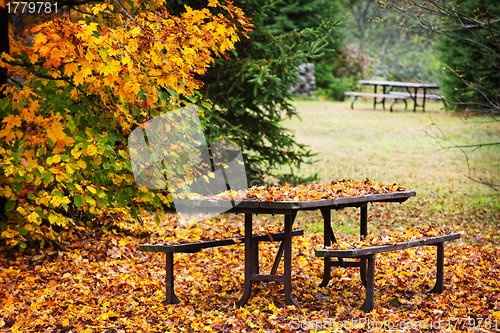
411 92
365 257
290 209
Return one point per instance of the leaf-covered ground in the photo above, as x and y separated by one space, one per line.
101 282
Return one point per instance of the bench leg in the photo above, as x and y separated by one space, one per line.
352 102
438 288
169 280
287 264
370 282
248 261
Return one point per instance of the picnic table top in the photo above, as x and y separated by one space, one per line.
398 84
263 206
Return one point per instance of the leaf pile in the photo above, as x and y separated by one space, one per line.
101 282
199 232
409 234
331 190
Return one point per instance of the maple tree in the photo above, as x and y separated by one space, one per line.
86 81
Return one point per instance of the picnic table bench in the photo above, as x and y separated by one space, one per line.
193 247
383 96
387 87
412 95
367 271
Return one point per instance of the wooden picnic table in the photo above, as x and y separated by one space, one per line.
387 87
290 209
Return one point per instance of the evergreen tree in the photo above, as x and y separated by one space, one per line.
250 90
472 72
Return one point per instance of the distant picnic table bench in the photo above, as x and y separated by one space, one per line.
387 92
356 94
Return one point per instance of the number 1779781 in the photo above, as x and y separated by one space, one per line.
31 7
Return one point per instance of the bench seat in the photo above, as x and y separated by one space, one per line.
194 247
383 96
408 95
367 261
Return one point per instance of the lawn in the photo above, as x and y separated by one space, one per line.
397 147
99 281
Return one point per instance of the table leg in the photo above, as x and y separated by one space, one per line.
363 221
423 102
374 98
287 274
255 257
329 236
415 100
248 260
171 298
383 99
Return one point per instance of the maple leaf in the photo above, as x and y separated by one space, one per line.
56 131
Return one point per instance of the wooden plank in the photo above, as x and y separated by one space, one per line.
376 197
195 247
295 205
267 278
207 204
398 84
281 207
325 253
407 95
403 195
363 94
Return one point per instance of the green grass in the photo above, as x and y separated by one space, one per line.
397 148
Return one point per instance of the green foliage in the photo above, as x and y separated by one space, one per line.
471 67
250 90
289 15
335 72
339 73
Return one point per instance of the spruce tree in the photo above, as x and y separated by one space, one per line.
472 68
250 90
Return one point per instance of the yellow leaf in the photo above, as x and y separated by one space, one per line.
76 153
82 164
71 68
52 219
91 189
70 169
91 150
56 159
